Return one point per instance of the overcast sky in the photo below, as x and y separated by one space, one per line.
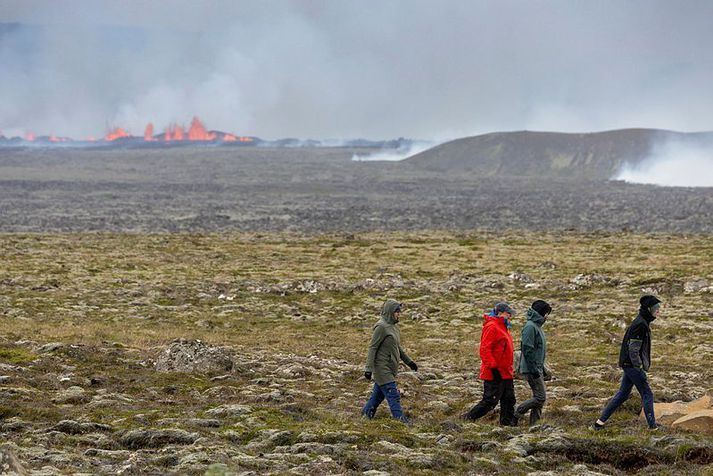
342 69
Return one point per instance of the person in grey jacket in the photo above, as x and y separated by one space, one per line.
382 362
635 360
533 349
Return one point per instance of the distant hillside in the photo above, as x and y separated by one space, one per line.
596 155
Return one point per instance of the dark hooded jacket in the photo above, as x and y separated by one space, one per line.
636 346
385 350
533 345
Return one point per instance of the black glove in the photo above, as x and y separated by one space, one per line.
496 374
367 375
413 366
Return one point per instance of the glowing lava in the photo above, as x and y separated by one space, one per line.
198 131
117 133
148 133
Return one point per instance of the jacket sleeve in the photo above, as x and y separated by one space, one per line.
487 345
636 340
635 352
376 338
404 356
528 348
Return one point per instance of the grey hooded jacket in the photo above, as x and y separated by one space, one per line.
385 350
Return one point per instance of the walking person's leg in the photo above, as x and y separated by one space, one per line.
641 383
533 405
507 402
393 397
620 397
377 396
491 396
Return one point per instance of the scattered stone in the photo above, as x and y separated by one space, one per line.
14 424
520 445
72 396
670 413
120 455
194 356
229 411
589 280
9 464
700 421
51 347
438 405
697 286
72 427
521 277
138 439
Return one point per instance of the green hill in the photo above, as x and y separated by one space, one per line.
597 155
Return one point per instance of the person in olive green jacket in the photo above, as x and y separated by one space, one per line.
533 348
382 362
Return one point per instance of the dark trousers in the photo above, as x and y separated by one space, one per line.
494 392
393 397
632 378
535 404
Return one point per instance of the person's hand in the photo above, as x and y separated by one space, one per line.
367 375
413 366
496 374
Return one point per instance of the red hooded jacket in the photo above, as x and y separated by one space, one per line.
496 348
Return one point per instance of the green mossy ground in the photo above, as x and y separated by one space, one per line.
118 299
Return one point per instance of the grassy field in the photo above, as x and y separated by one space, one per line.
296 312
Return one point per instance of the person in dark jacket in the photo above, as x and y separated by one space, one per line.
496 357
382 362
635 360
533 349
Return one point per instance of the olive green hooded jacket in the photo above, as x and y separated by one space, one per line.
385 347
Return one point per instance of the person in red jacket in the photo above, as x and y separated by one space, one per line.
496 356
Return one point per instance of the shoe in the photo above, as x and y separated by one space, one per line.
515 420
597 426
657 428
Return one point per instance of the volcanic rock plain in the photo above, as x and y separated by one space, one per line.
317 190
238 345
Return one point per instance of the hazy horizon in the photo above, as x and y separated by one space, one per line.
318 69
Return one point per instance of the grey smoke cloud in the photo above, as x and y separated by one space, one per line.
310 68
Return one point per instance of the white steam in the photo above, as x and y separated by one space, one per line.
674 164
395 155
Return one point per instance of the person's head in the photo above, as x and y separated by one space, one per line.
397 313
503 309
391 311
542 308
651 304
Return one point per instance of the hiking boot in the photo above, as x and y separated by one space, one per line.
515 420
597 426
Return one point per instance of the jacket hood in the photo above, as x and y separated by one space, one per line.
387 312
647 302
646 314
535 317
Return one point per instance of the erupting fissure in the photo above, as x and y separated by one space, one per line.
174 132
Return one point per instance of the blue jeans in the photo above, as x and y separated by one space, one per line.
393 397
632 377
